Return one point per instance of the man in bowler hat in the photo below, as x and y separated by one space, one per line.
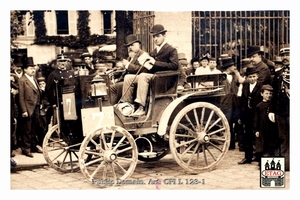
255 54
132 68
30 101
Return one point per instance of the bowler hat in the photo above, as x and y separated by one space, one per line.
157 29
251 70
227 62
130 39
267 87
253 50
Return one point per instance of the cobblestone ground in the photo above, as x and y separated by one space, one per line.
228 175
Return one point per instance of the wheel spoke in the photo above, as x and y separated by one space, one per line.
202 117
214 124
96 170
216 131
191 157
204 155
119 143
190 122
216 146
103 140
94 161
208 120
58 155
185 143
112 139
97 145
184 135
196 119
187 149
122 168
190 132
211 154
123 150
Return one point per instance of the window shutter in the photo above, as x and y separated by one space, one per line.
72 14
50 21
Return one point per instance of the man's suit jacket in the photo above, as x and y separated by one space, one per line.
264 73
250 100
165 59
29 96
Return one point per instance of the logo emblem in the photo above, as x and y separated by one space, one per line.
272 174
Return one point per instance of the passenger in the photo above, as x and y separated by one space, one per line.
204 65
182 83
249 99
163 57
133 68
194 65
87 58
256 58
30 101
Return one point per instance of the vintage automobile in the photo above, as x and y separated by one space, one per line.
93 136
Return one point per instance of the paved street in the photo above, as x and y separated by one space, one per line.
227 176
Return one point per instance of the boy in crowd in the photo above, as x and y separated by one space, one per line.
265 127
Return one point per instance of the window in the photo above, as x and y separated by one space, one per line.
62 22
107 21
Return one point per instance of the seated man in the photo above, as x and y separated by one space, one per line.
163 57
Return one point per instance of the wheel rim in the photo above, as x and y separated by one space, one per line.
113 156
199 137
58 154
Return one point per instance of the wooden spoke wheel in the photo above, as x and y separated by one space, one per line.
199 137
113 156
58 154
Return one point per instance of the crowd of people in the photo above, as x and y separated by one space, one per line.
256 103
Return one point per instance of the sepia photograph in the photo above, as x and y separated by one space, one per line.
133 98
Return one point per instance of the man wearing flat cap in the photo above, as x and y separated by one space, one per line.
255 54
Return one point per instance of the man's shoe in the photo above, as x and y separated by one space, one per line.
139 112
244 161
28 154
255 159
12 162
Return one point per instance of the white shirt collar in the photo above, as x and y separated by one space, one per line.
159 47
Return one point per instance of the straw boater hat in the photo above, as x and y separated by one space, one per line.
130 39
157 29
85 54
